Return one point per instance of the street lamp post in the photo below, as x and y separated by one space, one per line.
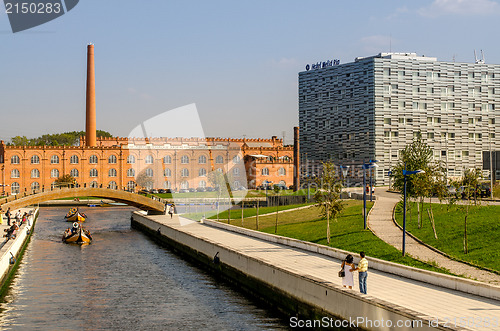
406 173
369 165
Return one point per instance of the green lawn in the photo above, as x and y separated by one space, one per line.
347 233
249 194
483 231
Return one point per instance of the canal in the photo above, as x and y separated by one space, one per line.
123 280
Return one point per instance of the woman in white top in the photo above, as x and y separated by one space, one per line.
348 267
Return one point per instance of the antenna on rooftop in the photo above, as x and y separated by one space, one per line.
478 61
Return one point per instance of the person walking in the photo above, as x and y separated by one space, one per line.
18 216
348 267
171 210
363 272
8 216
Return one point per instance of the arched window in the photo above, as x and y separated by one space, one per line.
167 184
265 172
219 159
236 171
35 159
202 159
184 159
167 159
93 159
236 184
54 159
35 173
130 159
202 184
112 159
149 185
93 172
74 173
94 184
282 183
15 173
149 172
167 172
14 188
131 185
35 186
185 172
54 173
149 159
112 172
15 159
202 172
73 159
184 185
281 172
236 159
131 172
112 185
220 170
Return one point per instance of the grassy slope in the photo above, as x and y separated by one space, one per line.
483 224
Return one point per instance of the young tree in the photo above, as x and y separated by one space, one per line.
327 195
415 156
470 183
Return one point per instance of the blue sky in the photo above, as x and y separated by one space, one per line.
237 60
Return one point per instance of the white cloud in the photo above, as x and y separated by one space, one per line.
398 12
376 44
285 63
460 7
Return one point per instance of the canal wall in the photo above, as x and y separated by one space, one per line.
293 293
12 250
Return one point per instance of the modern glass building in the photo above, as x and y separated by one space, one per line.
371 108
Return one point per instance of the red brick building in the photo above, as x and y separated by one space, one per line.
152 163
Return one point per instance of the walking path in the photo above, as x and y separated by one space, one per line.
380 222
421 298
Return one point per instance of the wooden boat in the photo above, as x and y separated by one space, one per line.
77 235
74 215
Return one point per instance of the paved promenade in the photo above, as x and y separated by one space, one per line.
380 222
447 305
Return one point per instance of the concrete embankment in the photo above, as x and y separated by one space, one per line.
297 282
12 250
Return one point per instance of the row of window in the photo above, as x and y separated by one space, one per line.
93 159
281 172
131 185
54 173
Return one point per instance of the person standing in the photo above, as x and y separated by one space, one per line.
363 272
18 216
8 216
171 210
348 267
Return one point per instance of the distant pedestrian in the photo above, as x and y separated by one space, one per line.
7 214
18 216
348 267
171 210
363 272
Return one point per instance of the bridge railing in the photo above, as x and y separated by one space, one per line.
54 188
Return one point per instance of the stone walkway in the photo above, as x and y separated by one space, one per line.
426 299
380 222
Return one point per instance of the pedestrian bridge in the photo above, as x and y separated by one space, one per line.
153 205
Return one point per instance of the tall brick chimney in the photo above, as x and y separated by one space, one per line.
90 126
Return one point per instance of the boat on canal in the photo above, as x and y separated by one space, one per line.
77 235
74 215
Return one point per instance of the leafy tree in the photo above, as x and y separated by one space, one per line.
56 139
65 181
415 156
327 196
